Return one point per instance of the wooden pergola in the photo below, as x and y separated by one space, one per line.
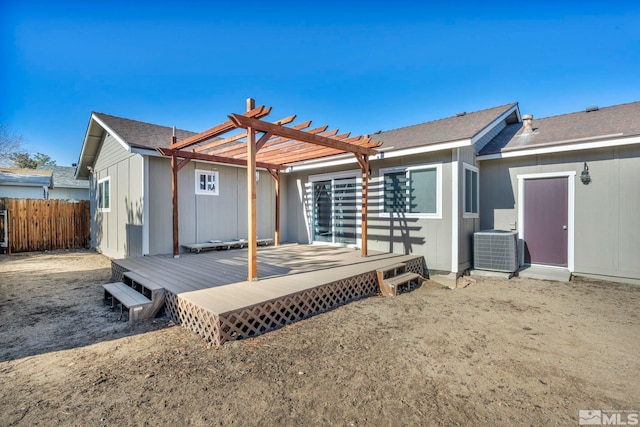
271 146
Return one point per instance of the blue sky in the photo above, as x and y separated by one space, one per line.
358 66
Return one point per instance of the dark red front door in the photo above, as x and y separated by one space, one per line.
546 221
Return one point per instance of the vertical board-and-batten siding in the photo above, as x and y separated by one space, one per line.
205 217
118 233
607 232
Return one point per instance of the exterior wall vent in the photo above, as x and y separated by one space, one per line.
495 250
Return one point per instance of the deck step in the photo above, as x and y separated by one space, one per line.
143 284
391 285
391 270
139 306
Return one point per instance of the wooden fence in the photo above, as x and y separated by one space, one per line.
37 225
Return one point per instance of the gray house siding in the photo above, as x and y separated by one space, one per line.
118 232
60 193
22 192
429 237
607 236
205 217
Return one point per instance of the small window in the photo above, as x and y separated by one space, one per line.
207 182
413 191
104 195
470 191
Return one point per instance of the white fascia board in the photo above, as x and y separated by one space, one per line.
383 155
494 123
424 149
84 145
562 148
326 164
111 132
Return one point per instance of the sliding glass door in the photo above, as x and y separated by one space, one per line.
335 210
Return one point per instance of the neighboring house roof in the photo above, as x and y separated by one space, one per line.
615 123
63 176
464 126
140 134
26 177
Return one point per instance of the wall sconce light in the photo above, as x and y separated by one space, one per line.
584 176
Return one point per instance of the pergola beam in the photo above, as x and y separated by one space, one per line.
249 122
215 159
218 130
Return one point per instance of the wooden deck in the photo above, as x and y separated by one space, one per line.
208 292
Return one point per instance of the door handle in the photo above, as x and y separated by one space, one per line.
564 227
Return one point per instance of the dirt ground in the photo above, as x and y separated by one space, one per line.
498 352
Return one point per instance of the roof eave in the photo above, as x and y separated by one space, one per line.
83 161
556 147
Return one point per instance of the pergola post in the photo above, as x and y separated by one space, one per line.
252 256
174 203
275 174
365 202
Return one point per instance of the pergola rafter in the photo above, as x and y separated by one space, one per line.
271 146
241 150
243 135
292 145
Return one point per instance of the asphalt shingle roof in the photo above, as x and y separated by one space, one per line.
141 134
444 130
608 122
152 136
63 176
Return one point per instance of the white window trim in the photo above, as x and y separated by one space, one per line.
571 175
437 167
199 172
100 181
331 176
465 214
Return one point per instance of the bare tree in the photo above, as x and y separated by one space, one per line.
11 143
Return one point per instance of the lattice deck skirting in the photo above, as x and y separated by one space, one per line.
267 316
117 272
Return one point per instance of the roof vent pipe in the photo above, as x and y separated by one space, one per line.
527 123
